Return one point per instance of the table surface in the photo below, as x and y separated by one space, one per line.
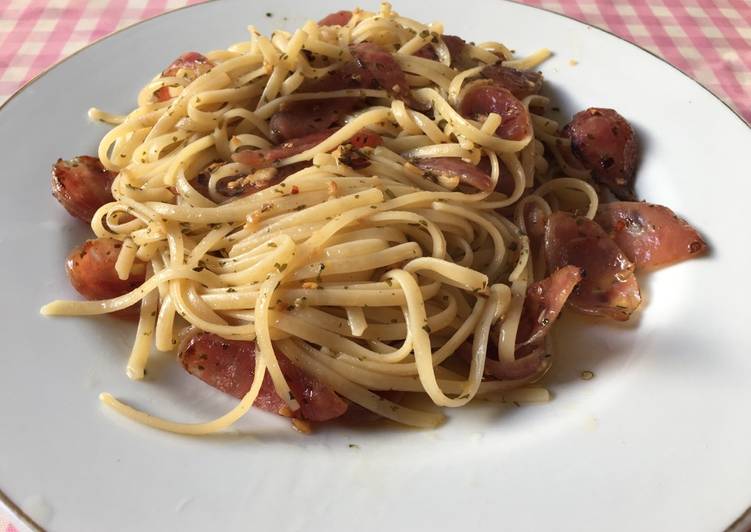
710 40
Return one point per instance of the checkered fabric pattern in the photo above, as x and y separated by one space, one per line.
5 524
35 34
710 40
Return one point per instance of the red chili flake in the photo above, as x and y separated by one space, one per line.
295 189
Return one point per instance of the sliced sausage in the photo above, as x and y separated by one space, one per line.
652 236
374 67
304 117
350 75
365 139
82 185
608 286
534 222
605 144
467 173
505 184
338 18
544 301
522 367
383 68
521 83
193 62
91 270
229 366
264 158
457 50
482 99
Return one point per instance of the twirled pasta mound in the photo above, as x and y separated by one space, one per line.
365 206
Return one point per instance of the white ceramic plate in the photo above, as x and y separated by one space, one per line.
658 440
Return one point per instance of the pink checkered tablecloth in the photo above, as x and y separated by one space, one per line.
710 40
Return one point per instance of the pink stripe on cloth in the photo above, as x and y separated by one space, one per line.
726 79
662 40
24 24
743 8
108 18
154 8
614 21
59 36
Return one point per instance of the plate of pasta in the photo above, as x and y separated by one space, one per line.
326 266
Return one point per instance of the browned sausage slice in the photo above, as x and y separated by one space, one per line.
304 117
544 301
483 99
467 173
457 51
82 185
604 142
652 236
381 66
521 83
267 157
338 18
608 286
91 270
191 61
229 366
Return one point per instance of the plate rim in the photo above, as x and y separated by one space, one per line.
742 522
